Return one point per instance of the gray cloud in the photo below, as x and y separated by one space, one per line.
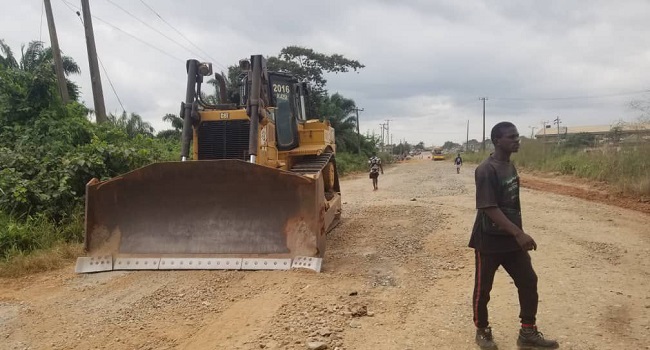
427 62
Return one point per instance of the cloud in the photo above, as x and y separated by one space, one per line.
427 62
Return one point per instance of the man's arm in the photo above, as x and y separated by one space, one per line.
525 241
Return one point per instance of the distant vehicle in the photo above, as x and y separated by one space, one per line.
437 154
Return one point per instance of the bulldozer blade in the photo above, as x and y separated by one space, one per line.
226 214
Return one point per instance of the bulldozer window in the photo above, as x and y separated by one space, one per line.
285 120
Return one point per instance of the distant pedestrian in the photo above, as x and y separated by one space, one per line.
498 239
375 166
459 162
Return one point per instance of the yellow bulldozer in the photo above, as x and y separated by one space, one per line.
259 191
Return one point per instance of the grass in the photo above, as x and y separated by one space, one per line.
627 168
37 243
52 258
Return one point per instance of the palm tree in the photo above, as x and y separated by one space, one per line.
133 125
339 111
7 59
37 59
177 124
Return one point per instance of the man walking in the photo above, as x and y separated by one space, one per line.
459 162
375 166
499 240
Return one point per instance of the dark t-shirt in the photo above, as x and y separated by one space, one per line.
497 185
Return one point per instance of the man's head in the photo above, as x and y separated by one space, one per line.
505 137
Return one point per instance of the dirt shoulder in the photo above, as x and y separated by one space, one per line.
581 188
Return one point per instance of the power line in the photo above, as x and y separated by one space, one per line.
100 63
573 97
129 34
184 37
111 83
71 9
483 99
152 28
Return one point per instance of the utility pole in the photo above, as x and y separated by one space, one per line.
544 126
483 98
388 135
388 130
557 121
56 53
358 134
95 78
383 142
532 133
467 140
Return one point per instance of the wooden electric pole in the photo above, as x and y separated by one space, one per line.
467 139
358 134
95 78
483 98
557 121
56 53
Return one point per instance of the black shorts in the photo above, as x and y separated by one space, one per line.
374 175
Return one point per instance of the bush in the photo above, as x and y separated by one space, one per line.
350 162
30 233
45 164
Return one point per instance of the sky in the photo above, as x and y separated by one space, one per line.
427 61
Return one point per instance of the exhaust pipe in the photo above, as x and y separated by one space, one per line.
190 95
223 91
254 97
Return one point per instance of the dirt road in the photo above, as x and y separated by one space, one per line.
397 275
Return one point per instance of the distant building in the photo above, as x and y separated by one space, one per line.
601 133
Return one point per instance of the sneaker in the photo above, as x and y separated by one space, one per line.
484 339
531 338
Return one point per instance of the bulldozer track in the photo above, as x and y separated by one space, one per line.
312 164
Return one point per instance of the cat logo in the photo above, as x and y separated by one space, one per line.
224 115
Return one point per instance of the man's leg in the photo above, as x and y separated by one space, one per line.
520 268
486 267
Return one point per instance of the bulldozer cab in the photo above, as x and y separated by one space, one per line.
287 110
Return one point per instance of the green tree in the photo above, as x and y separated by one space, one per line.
132 124
37 59
338 110
419 146
579 140
616 133
177 125
402 148
309 65
449 145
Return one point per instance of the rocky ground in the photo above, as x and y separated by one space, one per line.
397 275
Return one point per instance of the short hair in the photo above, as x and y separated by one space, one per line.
497 130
